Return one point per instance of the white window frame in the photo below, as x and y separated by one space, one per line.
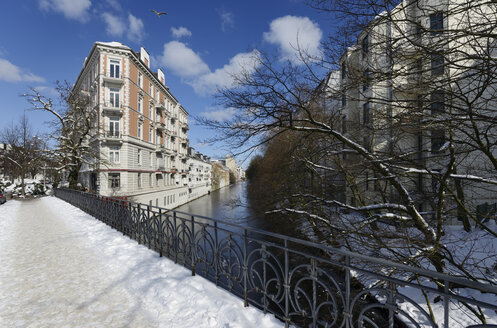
140 131
116 62
114 154
139 180
114 122
140 104
139 157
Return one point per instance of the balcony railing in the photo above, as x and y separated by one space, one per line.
304 284
113 135
116 78
112 107
160 106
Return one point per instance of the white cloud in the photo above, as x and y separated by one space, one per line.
292 33
180 32
115 25
72 9
223 77
219 115
227 20
136 30
47 90
182 60
114 4
12 73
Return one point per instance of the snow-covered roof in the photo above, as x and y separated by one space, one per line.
113 44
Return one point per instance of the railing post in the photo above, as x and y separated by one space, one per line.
245 269
138 222
161 241
348 311
286 286
446 304
215 250
175 238
192 242
147 225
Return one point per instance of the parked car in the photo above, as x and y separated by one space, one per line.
3 197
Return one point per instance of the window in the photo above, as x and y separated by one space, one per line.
150 134
115 68
139 181
366 113
150 181
365 86
114 127
157 138
114 180
139 157
420 182
114 154
366 181
437 23
114 98
344 100
140 130
344 70
437 140
151 110
140 105
367 144
437 64
151 159
140 80
365 45
437 102
151 89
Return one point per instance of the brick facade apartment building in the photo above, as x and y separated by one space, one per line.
141 131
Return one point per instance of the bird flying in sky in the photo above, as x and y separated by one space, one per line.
158 13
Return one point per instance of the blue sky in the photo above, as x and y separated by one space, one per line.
197 44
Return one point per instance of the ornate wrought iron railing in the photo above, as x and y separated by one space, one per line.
300 282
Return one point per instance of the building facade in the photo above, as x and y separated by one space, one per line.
141 132
403 84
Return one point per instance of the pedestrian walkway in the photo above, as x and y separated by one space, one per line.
60 267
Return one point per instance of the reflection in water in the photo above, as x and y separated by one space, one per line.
233 204
229 204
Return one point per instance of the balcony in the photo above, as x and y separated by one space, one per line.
112 107
160 126
114 78
184 126
113 136
160 106
159 148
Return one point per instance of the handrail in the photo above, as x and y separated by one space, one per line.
279 273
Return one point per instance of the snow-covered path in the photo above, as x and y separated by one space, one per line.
59 267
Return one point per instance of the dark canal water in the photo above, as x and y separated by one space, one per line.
232 204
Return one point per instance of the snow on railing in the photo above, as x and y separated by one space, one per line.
300 282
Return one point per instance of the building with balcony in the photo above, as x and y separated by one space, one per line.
407 88
199 174
141 130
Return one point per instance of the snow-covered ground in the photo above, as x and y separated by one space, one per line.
59 267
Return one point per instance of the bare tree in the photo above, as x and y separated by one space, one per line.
24 151
400 113
73 122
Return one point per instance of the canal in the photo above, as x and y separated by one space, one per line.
232 204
